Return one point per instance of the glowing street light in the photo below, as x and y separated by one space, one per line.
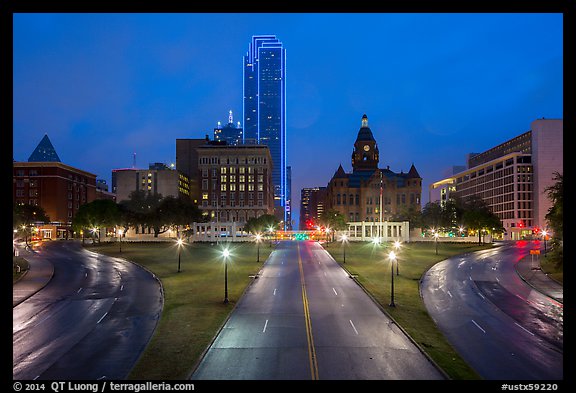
344 240
270 229
179 242
392 257
226 254
544 234
120 234
397 246
258 239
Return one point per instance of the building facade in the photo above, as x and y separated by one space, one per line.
58 188
235 182
512 178
264 108
370 193
187 163
155 180
312 202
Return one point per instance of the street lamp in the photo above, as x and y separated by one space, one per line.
120 233
270 229
397 245
344 240
258 238
544 234
436 241
225 254
179 241
327 234
392 257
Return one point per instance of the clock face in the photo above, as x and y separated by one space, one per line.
366 147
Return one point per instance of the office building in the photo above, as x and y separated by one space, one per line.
235 182
58 188
512 178
157 179
312 202
264 108
230 133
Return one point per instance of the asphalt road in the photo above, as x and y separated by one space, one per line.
91 321
503 327
303 319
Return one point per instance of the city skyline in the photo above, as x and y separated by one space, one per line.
435 86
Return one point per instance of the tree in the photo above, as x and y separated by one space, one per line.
555 215
334 220
261 224
141 210
433 216
101 213
24 216
477 216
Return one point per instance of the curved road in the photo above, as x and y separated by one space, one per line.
304 318
500 325
91 321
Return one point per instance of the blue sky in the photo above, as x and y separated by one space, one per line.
434 86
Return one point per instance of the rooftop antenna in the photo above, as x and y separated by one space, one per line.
134 161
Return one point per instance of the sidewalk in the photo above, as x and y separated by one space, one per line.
528 268
40 272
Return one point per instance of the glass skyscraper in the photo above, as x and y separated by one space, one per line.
265 109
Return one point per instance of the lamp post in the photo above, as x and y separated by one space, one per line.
436 241
327 235
179 241
120 233
392 257
544 234
258 238
225 254
397 245
270 229
344 240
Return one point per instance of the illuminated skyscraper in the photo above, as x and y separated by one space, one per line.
265 108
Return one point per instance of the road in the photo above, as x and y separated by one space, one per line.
91 321
303 319
503 327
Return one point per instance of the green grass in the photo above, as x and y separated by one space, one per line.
553 264
193 299
372 267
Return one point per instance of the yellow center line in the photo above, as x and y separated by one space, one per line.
311 350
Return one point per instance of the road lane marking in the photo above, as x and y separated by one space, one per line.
353 327
274 291
103 316
523 328
336 293
449 294
478 326
265 324
311 351
78 291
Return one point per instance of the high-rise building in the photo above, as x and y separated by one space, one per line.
230 133
265 108
311 206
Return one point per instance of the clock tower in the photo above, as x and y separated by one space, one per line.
365 154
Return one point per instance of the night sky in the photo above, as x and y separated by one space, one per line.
434 86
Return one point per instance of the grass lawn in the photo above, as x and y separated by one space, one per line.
193 299
372 266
